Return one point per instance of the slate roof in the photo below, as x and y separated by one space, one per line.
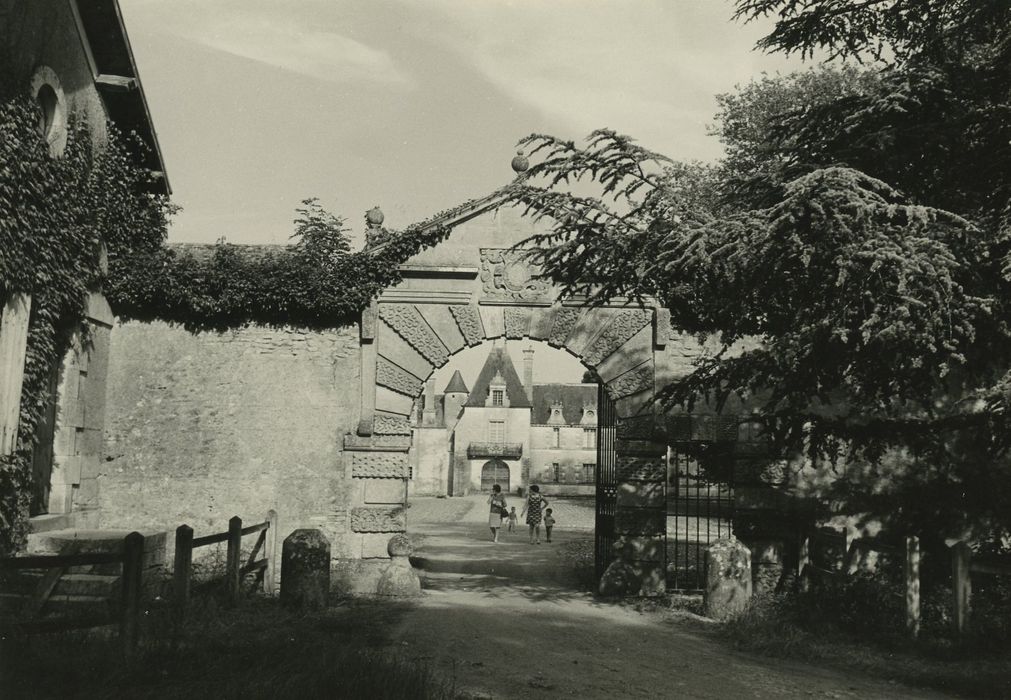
572 396
498 362
456 385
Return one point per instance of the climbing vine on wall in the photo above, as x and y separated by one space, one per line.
55 214
317 282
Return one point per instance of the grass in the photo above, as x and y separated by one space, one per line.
790 627
258 650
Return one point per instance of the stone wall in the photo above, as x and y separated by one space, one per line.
204 427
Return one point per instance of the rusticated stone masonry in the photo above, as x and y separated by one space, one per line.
618 331
565 320
396 378
517 322
641 468
378 519
631 382
469 320
407 321
379 465
389 424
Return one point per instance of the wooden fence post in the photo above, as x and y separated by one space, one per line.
133 563
961 584
182 569
803 559
269 547
232 566
913 586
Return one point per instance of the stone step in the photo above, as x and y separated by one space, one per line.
81 541
51 521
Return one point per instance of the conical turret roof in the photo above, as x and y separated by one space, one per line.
456 385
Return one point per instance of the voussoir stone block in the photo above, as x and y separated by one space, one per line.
407 321
517 322
379 465
622 327
442 321
631 382
564 322
396 378
379 519
468 320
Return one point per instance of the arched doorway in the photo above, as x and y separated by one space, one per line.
495 471
476 287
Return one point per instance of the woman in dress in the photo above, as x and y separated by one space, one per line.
497 502
533 509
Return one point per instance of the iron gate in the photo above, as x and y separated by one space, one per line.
607 482
700 510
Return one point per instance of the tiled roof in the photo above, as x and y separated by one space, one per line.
571 396
498 362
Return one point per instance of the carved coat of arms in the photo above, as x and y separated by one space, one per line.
508 275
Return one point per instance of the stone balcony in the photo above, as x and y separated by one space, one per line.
507 450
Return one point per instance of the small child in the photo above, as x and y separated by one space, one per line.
549 522
512 519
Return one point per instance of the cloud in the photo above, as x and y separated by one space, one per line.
277 34
649 69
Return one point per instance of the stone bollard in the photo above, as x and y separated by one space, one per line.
305 570
728 579
399 579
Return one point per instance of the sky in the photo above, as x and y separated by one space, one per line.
413 105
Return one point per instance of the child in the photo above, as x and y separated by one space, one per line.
512 519
549 522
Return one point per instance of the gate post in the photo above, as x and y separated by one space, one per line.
640 520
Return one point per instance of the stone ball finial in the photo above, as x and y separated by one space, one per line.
520 162
374 216
400 546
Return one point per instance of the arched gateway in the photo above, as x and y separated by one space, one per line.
472 288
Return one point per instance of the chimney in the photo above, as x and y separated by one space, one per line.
528 372
430 414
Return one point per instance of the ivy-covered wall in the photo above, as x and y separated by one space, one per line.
69 189
204 426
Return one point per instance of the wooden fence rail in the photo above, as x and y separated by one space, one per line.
131 557
234 569
852 549
963 565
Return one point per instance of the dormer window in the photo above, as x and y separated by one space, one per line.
497 397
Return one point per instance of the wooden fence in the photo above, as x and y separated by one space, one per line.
963 564
852 549
234 571
130 556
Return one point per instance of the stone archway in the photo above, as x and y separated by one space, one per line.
492 292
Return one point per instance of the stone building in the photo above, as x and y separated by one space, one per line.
317 425
506 431
75 60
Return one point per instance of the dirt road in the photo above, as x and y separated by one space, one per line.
506 620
